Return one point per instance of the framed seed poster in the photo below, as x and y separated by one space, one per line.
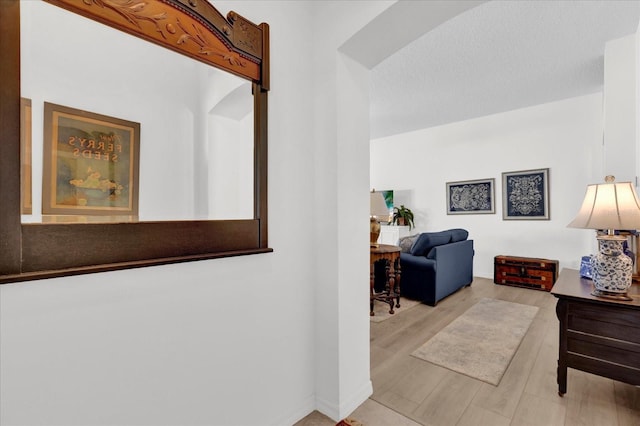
90 163
25 156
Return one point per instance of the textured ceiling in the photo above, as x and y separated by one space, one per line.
496 57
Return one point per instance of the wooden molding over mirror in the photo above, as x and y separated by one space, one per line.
191 27
194 28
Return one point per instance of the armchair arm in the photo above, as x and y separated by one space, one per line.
416 273
455 266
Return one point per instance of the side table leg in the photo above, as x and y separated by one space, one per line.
391 285
397 289
371 281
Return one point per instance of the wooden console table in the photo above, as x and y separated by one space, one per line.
391 255
597 335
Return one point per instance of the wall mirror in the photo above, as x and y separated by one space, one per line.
136 140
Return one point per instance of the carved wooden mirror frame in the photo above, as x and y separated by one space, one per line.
191 27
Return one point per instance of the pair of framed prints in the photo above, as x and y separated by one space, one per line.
525 195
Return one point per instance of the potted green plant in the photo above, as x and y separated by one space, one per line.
403 216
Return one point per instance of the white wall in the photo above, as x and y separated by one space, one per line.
620 109
564 136
341 160
228 341
637 103
253 340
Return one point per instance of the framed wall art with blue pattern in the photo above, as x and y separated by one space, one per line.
471 197
525 195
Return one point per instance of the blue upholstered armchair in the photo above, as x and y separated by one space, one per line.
436 264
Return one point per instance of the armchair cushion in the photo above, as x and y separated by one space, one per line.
458 234
407 242
428 240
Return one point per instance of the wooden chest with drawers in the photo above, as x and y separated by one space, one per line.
525 272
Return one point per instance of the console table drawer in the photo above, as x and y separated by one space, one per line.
614 351
620 324
601 367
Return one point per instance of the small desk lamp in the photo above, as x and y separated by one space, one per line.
378 208
610 206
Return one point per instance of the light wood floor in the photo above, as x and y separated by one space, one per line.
527 394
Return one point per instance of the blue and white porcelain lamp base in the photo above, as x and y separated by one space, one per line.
612 269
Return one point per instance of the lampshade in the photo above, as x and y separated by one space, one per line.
378 205
609 206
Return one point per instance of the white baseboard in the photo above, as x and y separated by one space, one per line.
306 408
338 413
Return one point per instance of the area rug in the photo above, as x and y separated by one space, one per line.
481 342
381 309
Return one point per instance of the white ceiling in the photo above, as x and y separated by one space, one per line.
494 57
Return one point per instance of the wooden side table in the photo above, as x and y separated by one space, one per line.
391 255
597 335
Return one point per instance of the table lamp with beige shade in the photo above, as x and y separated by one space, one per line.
609 207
